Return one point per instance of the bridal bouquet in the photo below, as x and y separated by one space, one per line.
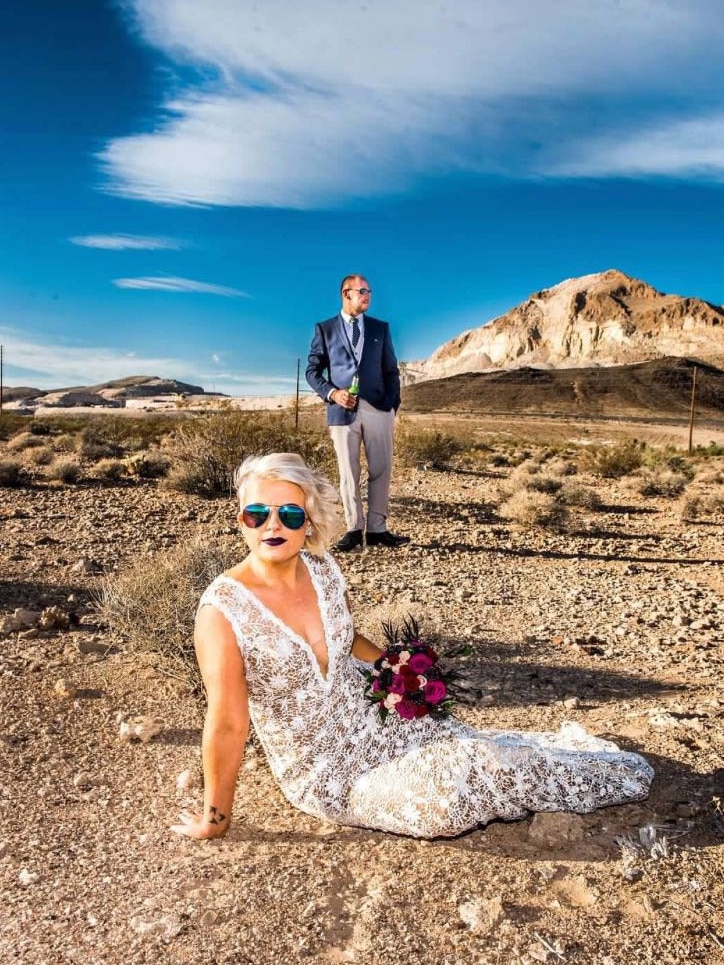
405 678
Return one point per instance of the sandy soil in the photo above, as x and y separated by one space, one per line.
616 624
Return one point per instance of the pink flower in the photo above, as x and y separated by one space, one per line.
420 662
435 691
375 686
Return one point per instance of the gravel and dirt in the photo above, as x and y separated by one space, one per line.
616 623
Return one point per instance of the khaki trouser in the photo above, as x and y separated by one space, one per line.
375 430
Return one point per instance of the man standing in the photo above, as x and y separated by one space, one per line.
353 344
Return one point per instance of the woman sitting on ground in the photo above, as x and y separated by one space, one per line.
276 644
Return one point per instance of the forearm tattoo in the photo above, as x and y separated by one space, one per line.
215 816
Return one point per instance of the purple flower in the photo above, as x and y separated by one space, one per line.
420 662
375 685
435 691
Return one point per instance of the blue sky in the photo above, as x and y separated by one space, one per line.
182 184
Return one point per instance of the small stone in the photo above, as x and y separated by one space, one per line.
92 646
54 618
63 689
187 779
27 878
571 703
141 728
86 565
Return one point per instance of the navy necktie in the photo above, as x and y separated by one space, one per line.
355 332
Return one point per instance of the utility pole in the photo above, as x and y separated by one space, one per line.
691 411
296 404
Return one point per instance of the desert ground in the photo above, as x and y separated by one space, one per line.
613 620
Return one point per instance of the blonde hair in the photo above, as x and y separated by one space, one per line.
320 496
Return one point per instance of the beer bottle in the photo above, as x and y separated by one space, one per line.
354 386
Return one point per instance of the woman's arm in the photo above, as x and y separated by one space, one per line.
364 649
226 725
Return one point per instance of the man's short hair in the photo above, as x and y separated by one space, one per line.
347 279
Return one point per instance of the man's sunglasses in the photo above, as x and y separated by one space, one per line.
290 515
360 291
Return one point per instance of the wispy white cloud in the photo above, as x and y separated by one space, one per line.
216 358
319 103
53 365
168 283
675 148
120 242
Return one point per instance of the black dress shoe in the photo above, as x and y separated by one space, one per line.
386 539
349 541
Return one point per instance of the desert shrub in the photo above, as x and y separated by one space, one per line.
575 494
111 469
12 473
714 477
544 484
528 509
426 447
64 470
498 459
668 458
11 423
612 462
94 443
205 452
711 451
153 603
660 482
25 440
65 442
559 466
698 507
41 456
527 477
148 465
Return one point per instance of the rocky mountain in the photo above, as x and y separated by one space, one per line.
603 319
114 394
660 388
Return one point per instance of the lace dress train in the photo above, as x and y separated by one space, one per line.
334 759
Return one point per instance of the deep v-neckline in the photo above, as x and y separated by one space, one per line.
285 628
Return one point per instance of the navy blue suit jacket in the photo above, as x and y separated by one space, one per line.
331 365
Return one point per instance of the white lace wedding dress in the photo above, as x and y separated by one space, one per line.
334 759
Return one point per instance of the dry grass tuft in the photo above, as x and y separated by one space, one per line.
153 603
204 453
12 473
614 461
660 482
529 509
576 494
25 440
64 470
110 469
429 448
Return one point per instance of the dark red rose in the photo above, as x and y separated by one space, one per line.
406 709
393 659
397 684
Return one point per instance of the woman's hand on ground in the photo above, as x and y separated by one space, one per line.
196 826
